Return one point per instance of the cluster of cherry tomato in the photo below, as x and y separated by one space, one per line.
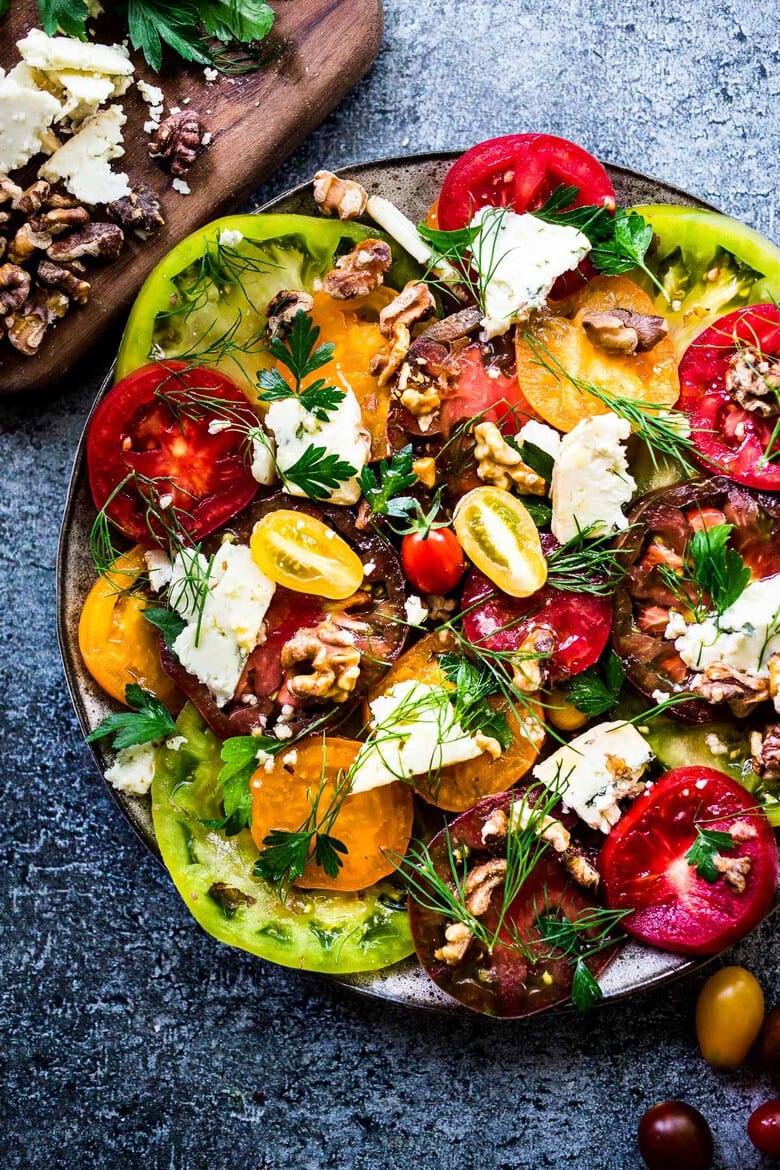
730 1019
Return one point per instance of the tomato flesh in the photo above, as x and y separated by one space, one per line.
581 623
644 868
520 171
142 429
729 438
486 385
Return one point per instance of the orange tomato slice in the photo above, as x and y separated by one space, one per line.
117 643
367 823
459 786
648 377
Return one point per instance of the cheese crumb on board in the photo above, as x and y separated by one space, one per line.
83 162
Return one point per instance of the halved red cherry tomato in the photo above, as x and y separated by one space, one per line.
581 623
644 868
741 443
144 429
433 562
486 385
520 171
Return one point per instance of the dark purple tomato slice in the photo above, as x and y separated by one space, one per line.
580 623
644 868
374 615
736 431
507 982
661 527
151 433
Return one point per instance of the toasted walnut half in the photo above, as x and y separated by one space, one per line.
101 240
14 288
765 750
283 307
754 382
528 661
27 327
333 658
178 140
342 197
502 465
360 271
720 683
623 331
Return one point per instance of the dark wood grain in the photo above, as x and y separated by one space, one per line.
322 48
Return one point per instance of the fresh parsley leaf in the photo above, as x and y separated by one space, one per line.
449 244
381 488
474 684
167 622
719 570
239 763
274 385
708 845
626 248
594 222
4 6
298 349
585 991
67 16
536 458
593 692
317 473
148 720
236 20
540 513
284 857
319 398
152 23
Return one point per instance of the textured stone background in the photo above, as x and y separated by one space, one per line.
130 1039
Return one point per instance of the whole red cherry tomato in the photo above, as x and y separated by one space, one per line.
675 1136
433 560
764 1128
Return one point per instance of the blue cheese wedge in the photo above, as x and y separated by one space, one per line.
591 481
133 769
296 431
26 114
596 770
83 162
52 55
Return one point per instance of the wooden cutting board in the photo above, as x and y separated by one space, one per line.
322 48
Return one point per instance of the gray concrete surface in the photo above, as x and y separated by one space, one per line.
129 1038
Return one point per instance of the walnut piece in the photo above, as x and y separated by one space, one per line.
454 327
178 140
25 242
720 683
283 307
414 303
140 211
458 938
502 465
342 197
623 331
32 199
481 882
65 280
528 661
754 382
333 658
580 868
765 750
14 288
360 271
58 220
734 871
425 470
101 240
27 327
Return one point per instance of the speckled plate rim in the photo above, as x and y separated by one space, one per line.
413 182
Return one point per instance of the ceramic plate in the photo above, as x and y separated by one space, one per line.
413 184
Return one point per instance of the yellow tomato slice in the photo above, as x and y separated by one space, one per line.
497 533
118 645
372 825
302 553
459 786
647 377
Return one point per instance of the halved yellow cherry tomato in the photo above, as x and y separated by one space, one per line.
372 825
497 533
729 1015
459 786
648 377
302 553
118 645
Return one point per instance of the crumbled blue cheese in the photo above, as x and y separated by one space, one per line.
295 430
596 770
133 769
224 620
591 481
53 54
416 612
25 117
83 162
544 437
519 258
414 731
263 466
151 94
746 636
230 238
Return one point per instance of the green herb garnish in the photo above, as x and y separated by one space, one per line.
318 473
595 690
708 845
474 685
149 720
382 488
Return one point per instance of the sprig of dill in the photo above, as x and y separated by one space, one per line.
586 564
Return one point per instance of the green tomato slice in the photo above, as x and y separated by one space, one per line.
708 264
316 930
206 301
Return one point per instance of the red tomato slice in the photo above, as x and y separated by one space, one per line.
486 387
581 623
643 865
728 437
520 171
142 428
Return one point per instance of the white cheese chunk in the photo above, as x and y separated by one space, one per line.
593 771
83 162
263 466
591 481
745 637
53 54
230 238
544 437
133 769
295 430
82 93
25 117
416 612
414 731
159 568
519 259
151 94
225 625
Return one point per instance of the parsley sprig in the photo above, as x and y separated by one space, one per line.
576 940
708 845
317 473
298 351
474 685
382 489
597 690
712 576
239 756
147 721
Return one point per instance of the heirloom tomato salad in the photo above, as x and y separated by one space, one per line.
438 577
